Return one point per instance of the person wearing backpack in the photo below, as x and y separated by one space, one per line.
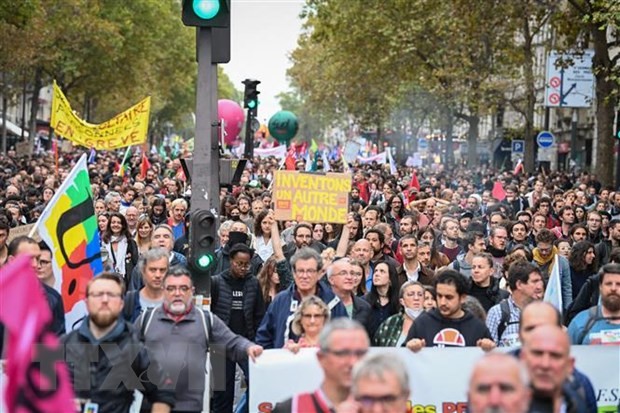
526 284
600 324
179 336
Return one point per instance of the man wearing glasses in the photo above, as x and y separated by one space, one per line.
237 300
342 344
105 358
275 329
179 336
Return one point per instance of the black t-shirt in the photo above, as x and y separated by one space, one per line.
444 332
237 320
482 295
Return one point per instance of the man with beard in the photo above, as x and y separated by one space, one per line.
343 343
567 219
498 239
449 325
302 237
407 225
377 242
600 324
355 198
106 382
179 336
243 203
412 269
449 240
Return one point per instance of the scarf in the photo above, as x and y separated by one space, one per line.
540 260
118 256
495 252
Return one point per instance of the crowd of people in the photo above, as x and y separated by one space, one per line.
427 258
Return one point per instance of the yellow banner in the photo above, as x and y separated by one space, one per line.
125 129
301 196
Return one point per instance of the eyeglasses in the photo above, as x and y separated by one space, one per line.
311 316
100 294
347 353
306 272
369 401
182 288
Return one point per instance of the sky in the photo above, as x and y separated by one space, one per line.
263 33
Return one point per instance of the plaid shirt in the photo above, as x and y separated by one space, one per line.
510 337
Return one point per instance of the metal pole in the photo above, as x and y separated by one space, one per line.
205 172
248 153
574 154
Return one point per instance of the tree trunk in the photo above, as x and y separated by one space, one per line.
34 107
472 140
449 127
530 97
604 165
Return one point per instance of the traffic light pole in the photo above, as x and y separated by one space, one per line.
205 174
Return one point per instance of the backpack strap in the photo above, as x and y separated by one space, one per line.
504 319
145 321
130 304
592 318
207 322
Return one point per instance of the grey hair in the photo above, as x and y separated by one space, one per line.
296 326
338 324
408 284
226 225
153 254
110 196
306 254
330 269
377 366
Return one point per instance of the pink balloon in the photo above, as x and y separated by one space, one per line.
231 115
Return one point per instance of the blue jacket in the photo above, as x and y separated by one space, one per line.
275 329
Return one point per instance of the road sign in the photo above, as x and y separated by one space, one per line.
422 144
545 139
518 146
570 80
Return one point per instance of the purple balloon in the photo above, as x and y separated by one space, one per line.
232 117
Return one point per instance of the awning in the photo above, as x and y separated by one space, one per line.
13 129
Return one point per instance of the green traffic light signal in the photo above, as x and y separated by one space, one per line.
206 9
205 261
252 104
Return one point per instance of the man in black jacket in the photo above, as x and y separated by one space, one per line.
106 359
236 298
449 325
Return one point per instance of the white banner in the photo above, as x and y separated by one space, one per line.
279 152
438 376
380 158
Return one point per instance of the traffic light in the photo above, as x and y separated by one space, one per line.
202 237
250 95
206 13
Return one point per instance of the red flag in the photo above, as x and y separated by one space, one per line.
518 168
290 160
414 181
31 345
145 165
498 191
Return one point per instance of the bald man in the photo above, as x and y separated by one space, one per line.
499 382
546 354
540 313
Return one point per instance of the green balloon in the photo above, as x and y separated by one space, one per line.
283 126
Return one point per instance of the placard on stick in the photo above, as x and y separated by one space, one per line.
309 197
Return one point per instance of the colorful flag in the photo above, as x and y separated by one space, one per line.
68 225
498 191
144 165
37 381
393 169
553 293
314 146
123 168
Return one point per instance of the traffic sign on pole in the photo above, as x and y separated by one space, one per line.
518 146
545 139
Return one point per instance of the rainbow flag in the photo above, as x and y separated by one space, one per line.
68 226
